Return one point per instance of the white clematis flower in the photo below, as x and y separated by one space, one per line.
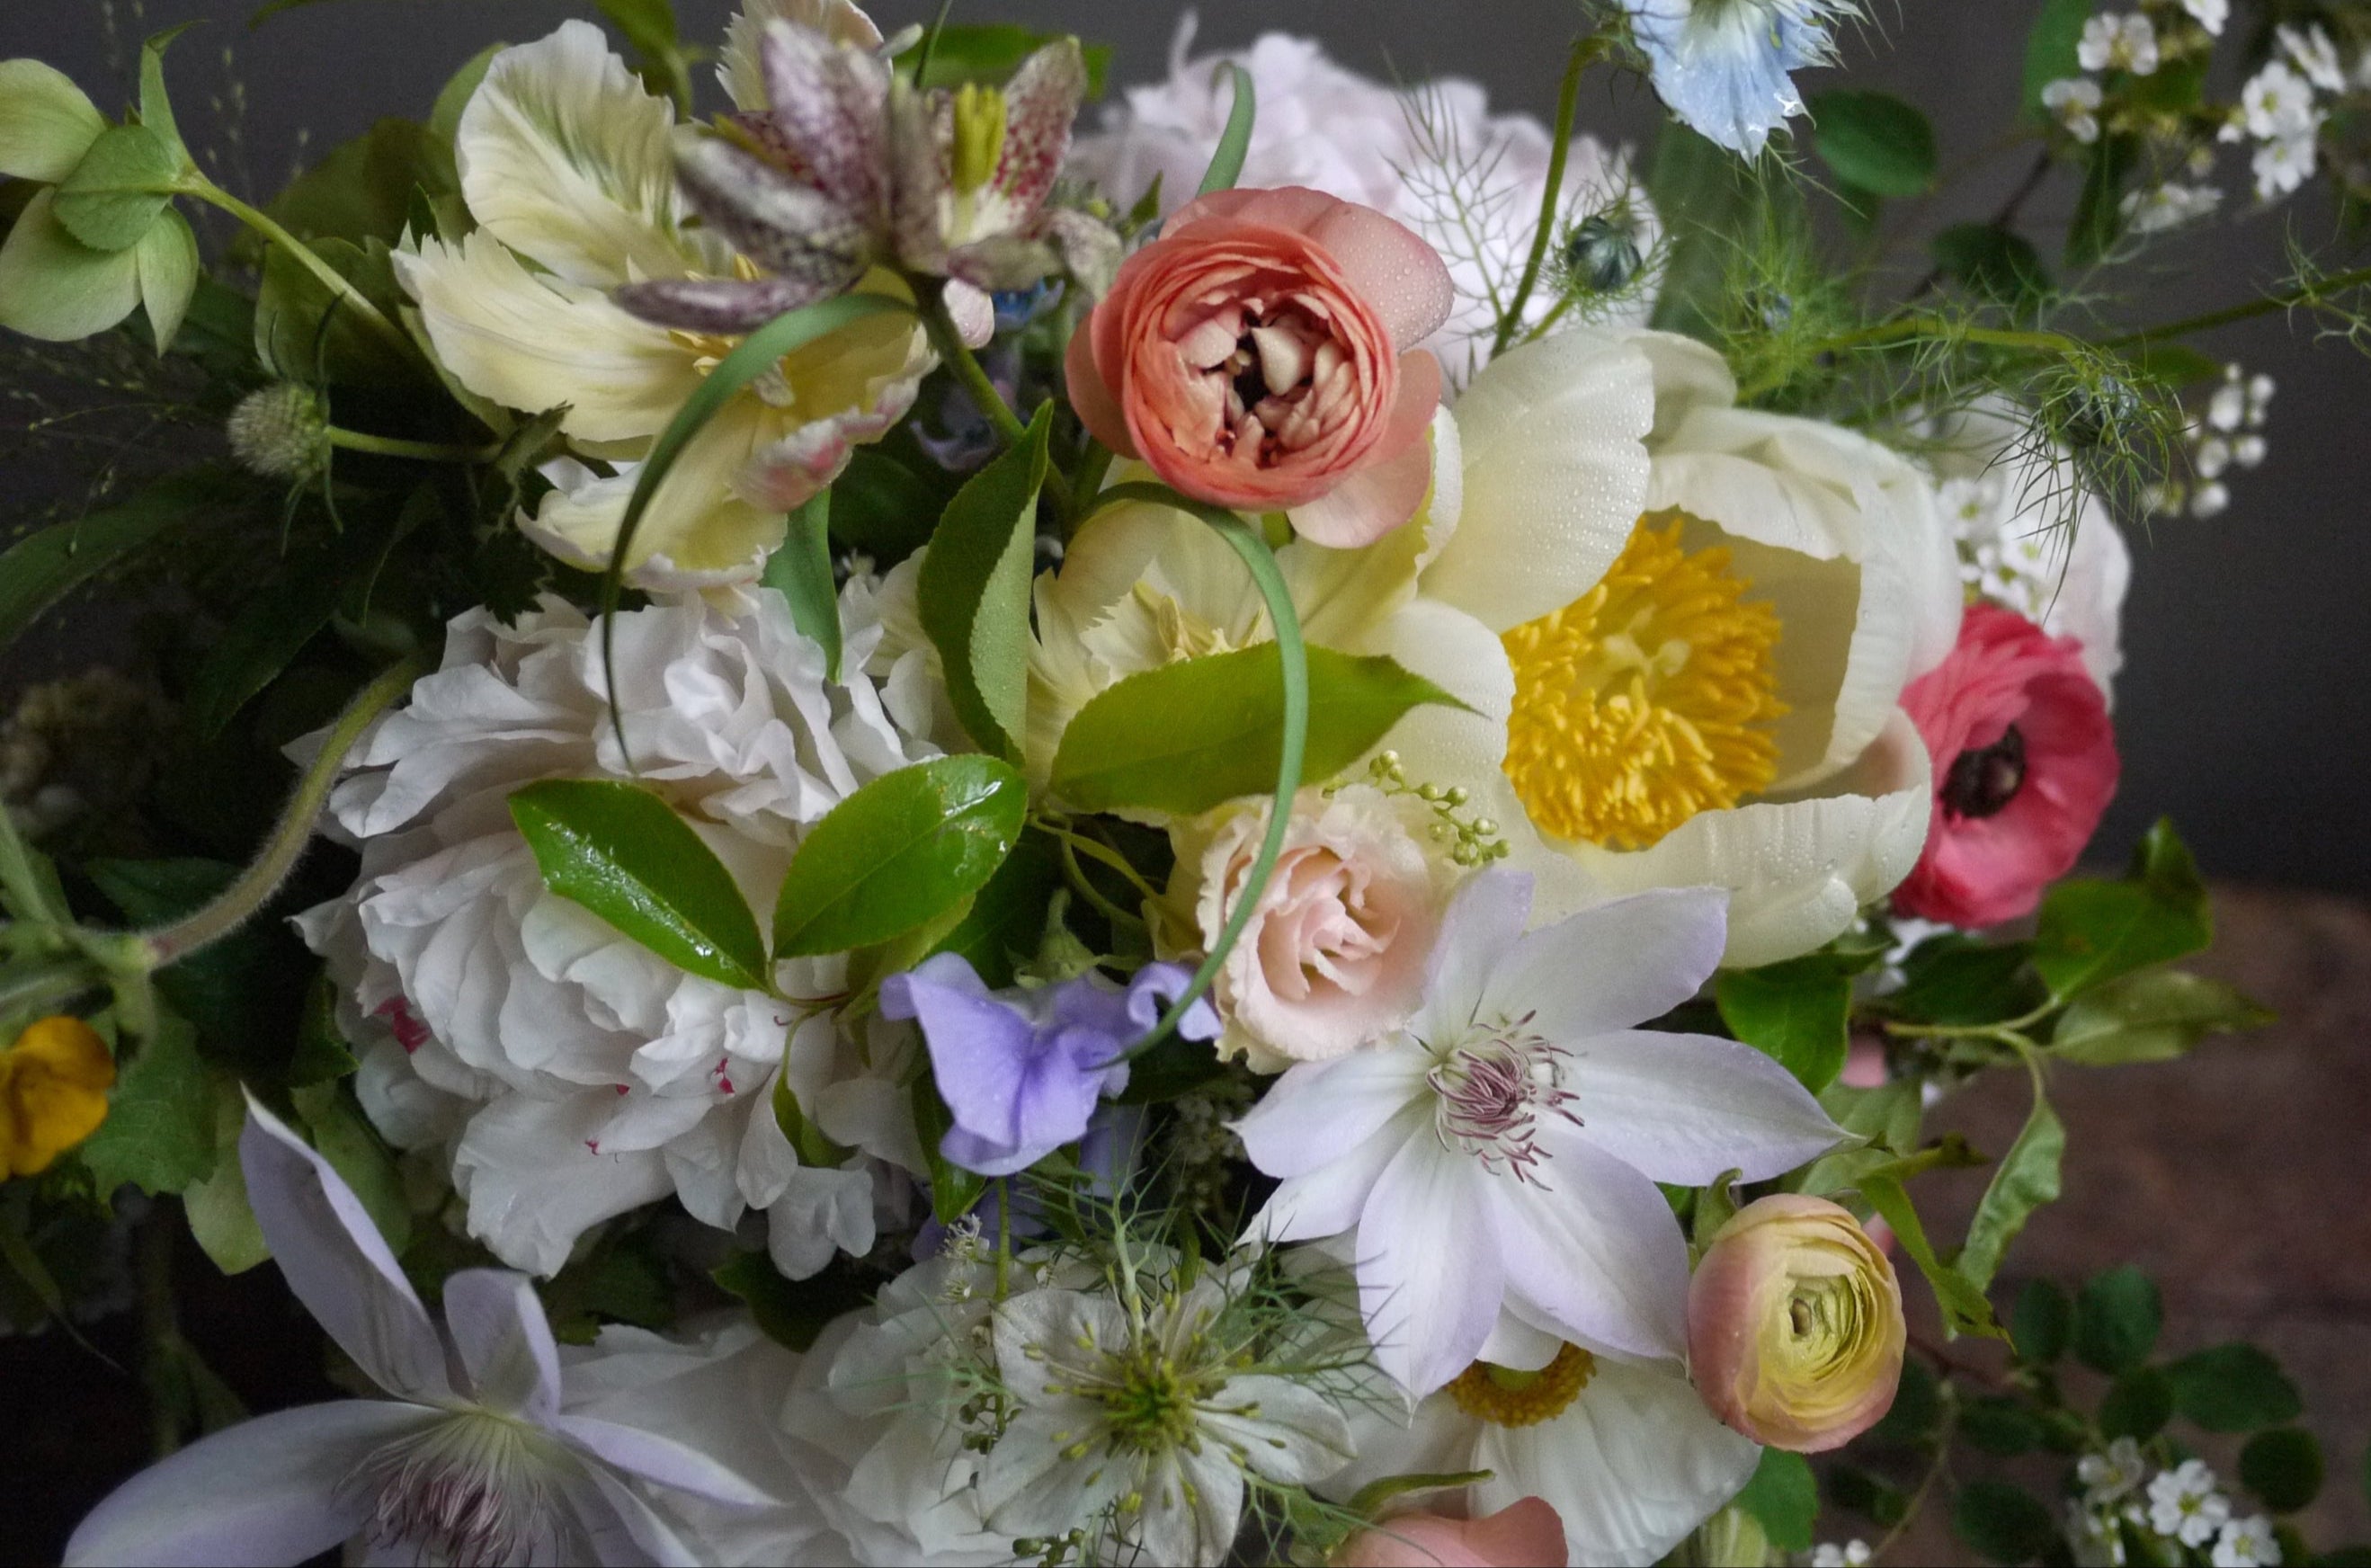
1625 1451
575 1074
1501 1152
472 1458
567 165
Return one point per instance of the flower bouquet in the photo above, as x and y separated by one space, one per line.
1249 829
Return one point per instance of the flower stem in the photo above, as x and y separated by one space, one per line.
1585 52
970 374
418 451
206 191
256 884
2288 299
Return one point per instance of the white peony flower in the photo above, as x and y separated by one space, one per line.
567 165
576 1073
1434 157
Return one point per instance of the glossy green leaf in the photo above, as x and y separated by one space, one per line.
883 508
1954 978
2027 1178
40 569
2040 1321
46 123
1235 142
2092 932
159 1132
221 1219
54 287
618 850
2283 1468
1888 1116
1784 1498
973 590
1874 141
898 852
1189 736
2117 1317
1965 1309
954 1190
116 191
2004 1523
2154 1016
867 967
2136 1405
801 570
2233 1388
1004 920
2051 49
1797 1012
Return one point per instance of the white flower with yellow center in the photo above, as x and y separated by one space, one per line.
567 165
1623 1450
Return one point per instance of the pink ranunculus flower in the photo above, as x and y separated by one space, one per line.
1794 1325
1524 1534
2025 763
1259 356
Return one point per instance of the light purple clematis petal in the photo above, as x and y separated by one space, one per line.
269 1491
662 1460
1597 1254
337 1264
1614 964
1319 1110
1431 1272
504 1341
1483 922
1683 1108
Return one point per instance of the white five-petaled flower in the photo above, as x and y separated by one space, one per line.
2314 56
2113 1476
2184 1503
469 1459
1721 65
2073 101
2126 42
2283 165
1136 1418
1851 1554
2209 14
1500 1153
2247 1543
2169 207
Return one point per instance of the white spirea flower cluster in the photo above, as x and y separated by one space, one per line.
573 1074
2227 435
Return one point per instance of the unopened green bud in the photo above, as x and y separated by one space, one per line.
281 432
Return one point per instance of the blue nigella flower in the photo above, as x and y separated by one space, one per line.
1721 65
1023 1070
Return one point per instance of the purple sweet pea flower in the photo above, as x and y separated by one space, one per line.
1022 1070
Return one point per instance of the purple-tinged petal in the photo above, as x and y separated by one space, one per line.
1483 922
1057 1096
1683 1108
505 1343
1595 1254
830 104
662 1462
919 132
1328 1200
791 230
1155 988
619 1528
1613 965
1430 1274
726 306
1319 1110
1040 103
981 1048
973 312
268 1491
337 1263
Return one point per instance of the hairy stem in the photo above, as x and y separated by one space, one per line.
1584 51
418 451
972 377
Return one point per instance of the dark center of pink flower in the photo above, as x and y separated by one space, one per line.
1981 783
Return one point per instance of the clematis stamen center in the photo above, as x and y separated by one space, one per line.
1648 700
475 1488
1494 1087
1504 1397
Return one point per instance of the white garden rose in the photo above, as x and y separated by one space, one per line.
1432 156
573 1074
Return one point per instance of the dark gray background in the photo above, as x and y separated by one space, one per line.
2239 708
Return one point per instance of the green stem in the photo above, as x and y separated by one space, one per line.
418 451
1088 889
965 366
161 1331
254 887
1887 333
1088 476
2309 294
204 189
1584 51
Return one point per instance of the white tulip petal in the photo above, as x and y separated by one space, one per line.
1606 968
1683 1108
1594 1252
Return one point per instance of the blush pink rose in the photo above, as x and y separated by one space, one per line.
1524 1534
1258 356
2025 764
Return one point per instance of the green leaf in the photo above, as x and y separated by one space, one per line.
814 1148
881 507
116 191
954 1190
1916 1410
1965 1309
41 568
155 104
2002 1523
2000 1425
303 332
972 590
2098 220
1797 1012
159 1132
321 1054
1235 141
2040 1321
46 123
2283 1468
2137 1405
618 850
2027 1178
1707 198
54 287
1874 141
1006 917
2233 1388
648 26
1954 979
336 1127
445 115
221 1220
1888 1116
1994 262
2154 1016
363 190
801 570
275 626
898 851
2092 932
788 1313
2116 1320
2051 49
1195 735
1784 1498
988 52
168 259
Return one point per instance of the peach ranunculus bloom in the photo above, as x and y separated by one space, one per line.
1524 1534
1258 356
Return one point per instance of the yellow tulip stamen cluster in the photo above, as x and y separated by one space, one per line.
54 1084
1505 1397
1646 700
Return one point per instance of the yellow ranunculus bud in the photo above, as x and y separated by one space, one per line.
1795 1328
54 1084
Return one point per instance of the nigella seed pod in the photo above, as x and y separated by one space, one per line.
281 432
2094 415
1602 254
